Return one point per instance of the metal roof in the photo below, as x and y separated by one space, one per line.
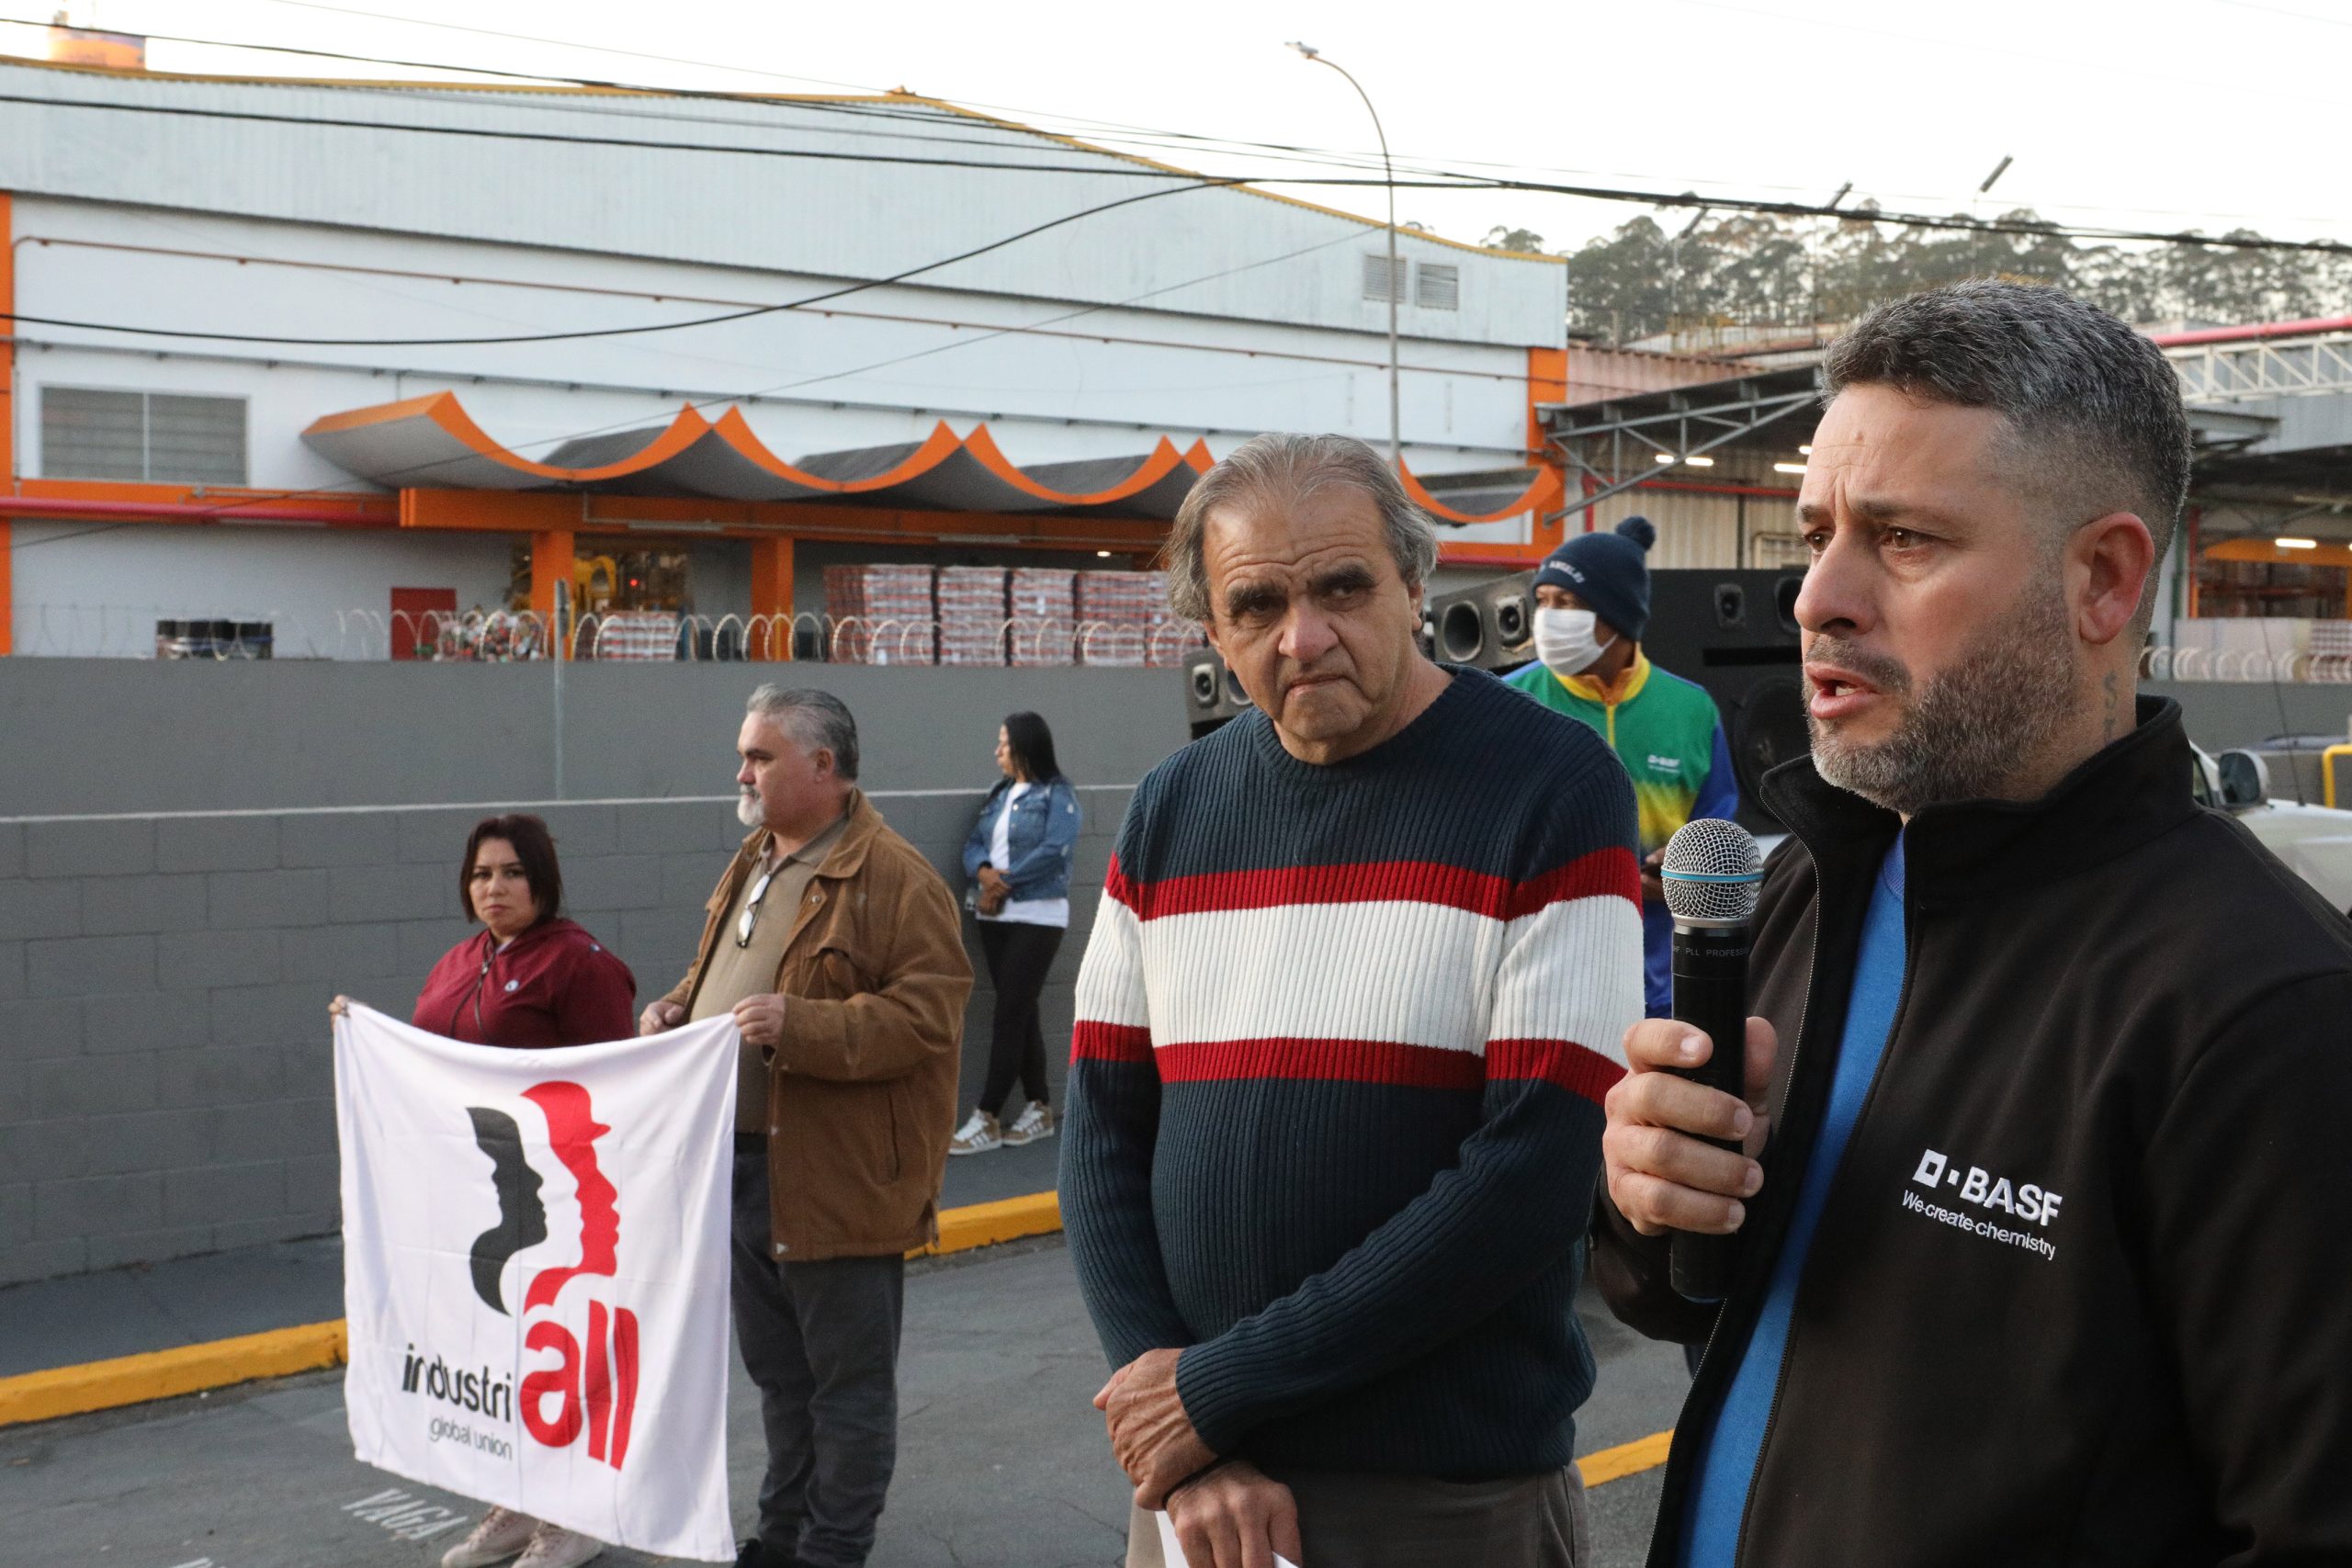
433 442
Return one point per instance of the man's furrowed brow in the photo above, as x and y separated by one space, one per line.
1877 511
1352 577
1248 598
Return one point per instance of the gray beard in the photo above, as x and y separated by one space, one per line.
1971 730
748 810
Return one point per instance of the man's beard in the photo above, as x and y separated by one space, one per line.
1969 730
748 810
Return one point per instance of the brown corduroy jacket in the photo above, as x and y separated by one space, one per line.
862 1088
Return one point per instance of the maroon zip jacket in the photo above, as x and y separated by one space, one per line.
555 985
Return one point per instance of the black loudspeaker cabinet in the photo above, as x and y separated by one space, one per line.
1735 634
1211 694
1490 627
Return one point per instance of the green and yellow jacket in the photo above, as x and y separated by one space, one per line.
1666 732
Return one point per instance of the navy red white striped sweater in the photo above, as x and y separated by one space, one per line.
1334 1113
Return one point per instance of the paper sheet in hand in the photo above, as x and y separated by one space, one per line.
1172 1555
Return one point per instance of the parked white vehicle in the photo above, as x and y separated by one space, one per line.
2314 841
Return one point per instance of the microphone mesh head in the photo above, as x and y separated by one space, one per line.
1711 873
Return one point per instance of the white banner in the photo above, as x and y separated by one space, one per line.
536 1273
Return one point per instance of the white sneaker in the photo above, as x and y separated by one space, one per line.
501 1533
1035 1121
977 1136
554 1547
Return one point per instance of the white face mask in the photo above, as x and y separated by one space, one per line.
1565 640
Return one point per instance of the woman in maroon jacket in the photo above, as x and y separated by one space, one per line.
530 979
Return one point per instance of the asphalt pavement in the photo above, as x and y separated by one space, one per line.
192 1301
1001 1459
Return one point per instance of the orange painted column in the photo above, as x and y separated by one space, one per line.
7 417
551 558
770 637
1547 382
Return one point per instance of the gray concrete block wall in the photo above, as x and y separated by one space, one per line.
265 735
166 1083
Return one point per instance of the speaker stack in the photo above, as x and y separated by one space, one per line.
1211 694
1491 626
1735 634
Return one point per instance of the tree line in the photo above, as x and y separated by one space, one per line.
1748 269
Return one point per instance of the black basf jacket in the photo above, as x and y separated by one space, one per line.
2082 1288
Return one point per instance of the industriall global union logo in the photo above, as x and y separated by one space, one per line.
591 1388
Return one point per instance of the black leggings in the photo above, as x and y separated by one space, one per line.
1018 957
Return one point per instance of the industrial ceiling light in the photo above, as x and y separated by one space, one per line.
1788 467
1102 555
1805 451
1700 462
2296 544
1667 458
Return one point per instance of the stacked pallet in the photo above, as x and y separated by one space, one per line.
880 614
971 614
1124 620
639 635
1044 612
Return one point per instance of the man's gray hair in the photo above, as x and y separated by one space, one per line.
2092 404
1293 466
815 721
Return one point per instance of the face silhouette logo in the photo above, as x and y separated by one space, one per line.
594 1384
522 1218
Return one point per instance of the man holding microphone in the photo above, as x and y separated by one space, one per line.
2044 1163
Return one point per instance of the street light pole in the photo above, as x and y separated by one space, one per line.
1395 282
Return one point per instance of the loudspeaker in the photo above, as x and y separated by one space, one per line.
1735 634
1211 694
1491 626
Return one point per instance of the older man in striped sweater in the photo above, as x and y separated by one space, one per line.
1352 1000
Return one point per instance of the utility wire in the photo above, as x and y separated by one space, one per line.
745 315
1190 183
1143 170
228 509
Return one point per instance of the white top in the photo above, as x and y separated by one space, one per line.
1020 912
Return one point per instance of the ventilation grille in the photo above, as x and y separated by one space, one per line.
87 433
1437 286
1376 282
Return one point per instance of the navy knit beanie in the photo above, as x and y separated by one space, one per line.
1607 572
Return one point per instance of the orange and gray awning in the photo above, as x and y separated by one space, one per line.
432 442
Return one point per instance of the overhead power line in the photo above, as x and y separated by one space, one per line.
1182 182
741 315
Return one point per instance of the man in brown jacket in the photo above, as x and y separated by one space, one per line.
838 951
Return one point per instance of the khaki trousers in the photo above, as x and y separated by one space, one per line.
1350 1521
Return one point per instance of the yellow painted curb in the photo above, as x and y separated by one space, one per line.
984 1225
1625 1459
160 1374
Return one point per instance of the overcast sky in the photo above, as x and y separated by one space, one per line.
2160 114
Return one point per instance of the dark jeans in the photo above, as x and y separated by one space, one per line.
1018 957
820 1341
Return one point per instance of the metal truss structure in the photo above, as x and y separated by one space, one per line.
1600 440
2234 372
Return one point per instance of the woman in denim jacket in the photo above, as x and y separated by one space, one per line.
1016 866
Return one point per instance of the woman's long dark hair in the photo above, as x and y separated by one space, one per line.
1033 746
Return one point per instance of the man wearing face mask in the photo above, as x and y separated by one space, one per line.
1592 598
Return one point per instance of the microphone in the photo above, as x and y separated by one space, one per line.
1712 873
